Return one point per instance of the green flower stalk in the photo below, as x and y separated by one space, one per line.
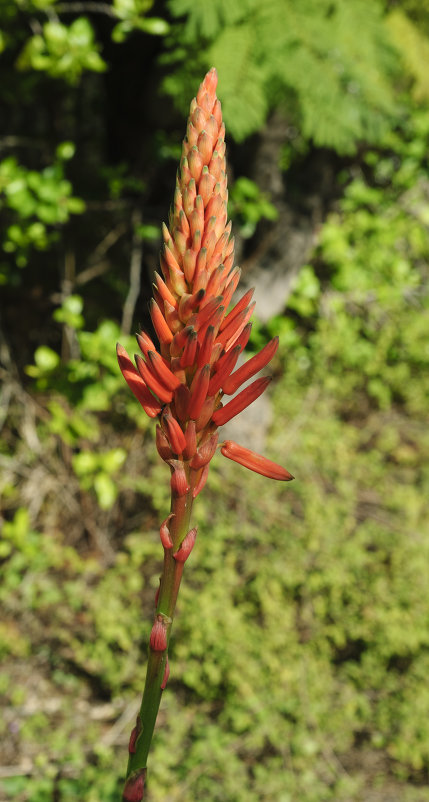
184 381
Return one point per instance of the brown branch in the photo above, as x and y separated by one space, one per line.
135 273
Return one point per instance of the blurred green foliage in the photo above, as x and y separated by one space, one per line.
300 652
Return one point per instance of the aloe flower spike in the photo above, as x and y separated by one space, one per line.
183 381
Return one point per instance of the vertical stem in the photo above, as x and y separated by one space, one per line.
181 508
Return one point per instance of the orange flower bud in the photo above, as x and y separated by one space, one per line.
164 373
199 389
214 206
145 343
163 290
205 414
212 127
206 185
241 323
137 384
205 146
201 277
223 369
190 350
191 440
189 196
206 347
174 432
251 367
255 462
242 304
189 263
201 262
183 220
241 401
204 316
179 340
195 161
165 335
216 165
163 393
182 399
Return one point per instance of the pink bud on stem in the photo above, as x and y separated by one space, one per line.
182 554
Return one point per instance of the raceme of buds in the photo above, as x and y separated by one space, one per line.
182 383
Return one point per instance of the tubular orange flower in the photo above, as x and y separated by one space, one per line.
183 381
241 401
255 462
251 367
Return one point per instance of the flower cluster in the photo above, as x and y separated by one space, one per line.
184 383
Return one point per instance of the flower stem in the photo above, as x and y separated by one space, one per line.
181 508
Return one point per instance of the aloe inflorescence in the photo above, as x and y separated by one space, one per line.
183 382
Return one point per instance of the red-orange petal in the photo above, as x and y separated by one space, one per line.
206 347
152 381
145 343
191 440
190 350
163 372
241 401
164 333
174 432
199 389
255 462
242 303
251 367
224 367
136 383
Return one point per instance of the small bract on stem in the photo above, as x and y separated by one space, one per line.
184 381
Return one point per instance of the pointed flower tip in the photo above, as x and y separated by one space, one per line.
255 462
210 81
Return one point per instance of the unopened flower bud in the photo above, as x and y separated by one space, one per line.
162 444
158 635
164 532
201 481
179 481
134 735
191 440
205 453
240 401
166 674
255 462
134 786
182 554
